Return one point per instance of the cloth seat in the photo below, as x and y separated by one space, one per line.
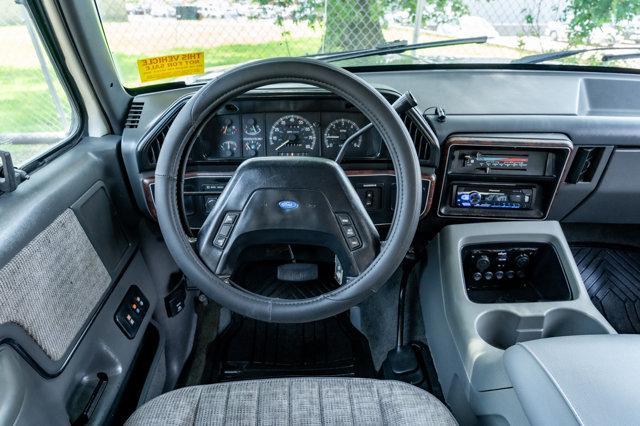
295 401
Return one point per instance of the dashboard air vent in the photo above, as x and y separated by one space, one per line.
155 144
585 164
133 118
420 138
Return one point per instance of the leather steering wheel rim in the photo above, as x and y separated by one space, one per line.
369 102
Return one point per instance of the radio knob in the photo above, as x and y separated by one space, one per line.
522 261
483 262
475 197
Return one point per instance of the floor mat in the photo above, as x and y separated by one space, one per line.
251 349
612 278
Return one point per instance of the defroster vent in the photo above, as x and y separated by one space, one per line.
133 118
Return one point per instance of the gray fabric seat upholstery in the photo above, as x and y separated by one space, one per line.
295 401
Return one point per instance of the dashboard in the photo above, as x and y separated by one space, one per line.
513 144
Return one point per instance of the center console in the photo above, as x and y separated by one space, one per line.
502 176
488 286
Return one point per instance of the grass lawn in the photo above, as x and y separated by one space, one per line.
219 56
25 103
21 153
27 107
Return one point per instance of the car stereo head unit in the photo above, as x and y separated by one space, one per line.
493 197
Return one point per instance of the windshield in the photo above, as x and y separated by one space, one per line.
161 41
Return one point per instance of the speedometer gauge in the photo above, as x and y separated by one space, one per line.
338 131
292 135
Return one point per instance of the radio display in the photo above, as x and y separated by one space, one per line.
497 161
493 198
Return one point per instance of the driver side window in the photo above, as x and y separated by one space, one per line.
35 112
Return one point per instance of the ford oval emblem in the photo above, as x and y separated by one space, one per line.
288 204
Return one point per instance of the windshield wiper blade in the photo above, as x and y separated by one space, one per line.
550 56
396 47
621 57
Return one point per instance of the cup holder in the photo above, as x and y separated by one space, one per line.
502 329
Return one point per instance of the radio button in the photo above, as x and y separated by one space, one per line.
516 198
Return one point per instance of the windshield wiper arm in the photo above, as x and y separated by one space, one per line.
396 47
621 57
550 56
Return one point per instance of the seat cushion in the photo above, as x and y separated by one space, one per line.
308 401
576 380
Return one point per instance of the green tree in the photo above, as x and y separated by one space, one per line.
357 24
584 16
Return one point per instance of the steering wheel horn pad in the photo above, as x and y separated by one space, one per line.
258 183
256 194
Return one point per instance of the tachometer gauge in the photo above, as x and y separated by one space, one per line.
338 131
292 135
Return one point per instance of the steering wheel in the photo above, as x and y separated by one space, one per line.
304 200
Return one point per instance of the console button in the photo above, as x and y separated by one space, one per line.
354 242
499 275
510 275
224 231
477 276
488 275
219 241
349 231
343 219
230 217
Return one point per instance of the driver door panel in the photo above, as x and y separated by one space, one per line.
67 258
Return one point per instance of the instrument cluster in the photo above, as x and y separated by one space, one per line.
247 135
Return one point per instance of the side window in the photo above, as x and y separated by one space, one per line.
35 112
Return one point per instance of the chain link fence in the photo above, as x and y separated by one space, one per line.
230 32
34 109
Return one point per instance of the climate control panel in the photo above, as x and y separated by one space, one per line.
486 268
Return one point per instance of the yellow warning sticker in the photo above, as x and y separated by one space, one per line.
170 66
